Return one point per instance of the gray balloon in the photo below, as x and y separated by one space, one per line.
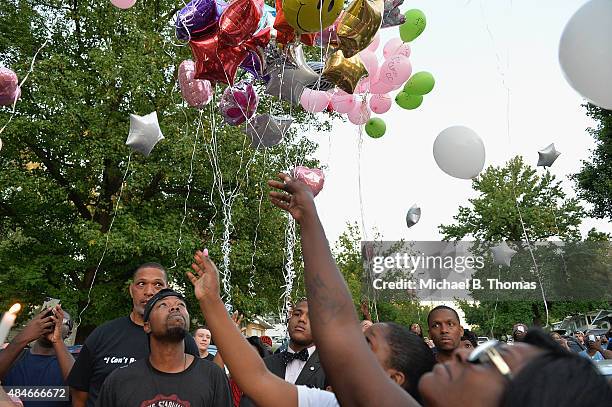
289 74
266 130
392 15
502 254
548 156
413 216
144 133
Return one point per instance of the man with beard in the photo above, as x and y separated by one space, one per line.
119 342
169 376
47 362
445 330
299 364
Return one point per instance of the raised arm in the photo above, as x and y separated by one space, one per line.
243 362
64 358
356 380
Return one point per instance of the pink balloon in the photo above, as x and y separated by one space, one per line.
380 103
363 85
9 87
123 4
360 114
374 44
313 177
314 100
393 73
342 101
370 61
196 92
396 46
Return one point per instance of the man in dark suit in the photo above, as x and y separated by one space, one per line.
299 364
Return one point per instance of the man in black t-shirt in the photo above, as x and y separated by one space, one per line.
169 376
119 342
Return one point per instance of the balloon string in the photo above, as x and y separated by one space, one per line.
251 285
30 70
108 233
513 186
189 181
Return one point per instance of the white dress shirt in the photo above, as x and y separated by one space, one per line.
308 397
294 368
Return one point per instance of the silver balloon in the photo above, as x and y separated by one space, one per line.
502 254
392 15
548 156
144 133
289 74
321 83
266 130
413 216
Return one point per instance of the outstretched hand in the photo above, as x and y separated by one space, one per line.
296 198
205 278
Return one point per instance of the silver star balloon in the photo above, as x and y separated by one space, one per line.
413 216
502 254
266 130
289 75
548 156
392 15
144 133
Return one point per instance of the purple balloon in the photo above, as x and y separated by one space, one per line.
198 17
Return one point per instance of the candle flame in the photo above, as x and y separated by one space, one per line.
15 308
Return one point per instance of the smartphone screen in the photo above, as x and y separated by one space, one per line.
50 303
592 338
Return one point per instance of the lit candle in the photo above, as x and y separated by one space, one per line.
7 321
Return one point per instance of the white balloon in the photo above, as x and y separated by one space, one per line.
144 133
459 152
585 52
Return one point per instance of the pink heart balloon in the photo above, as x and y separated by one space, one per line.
196 92
313 177
396 46
380 103
314 100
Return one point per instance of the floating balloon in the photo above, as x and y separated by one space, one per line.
380 103
196 92
392 15
123 4
585 52
421 83
343 102
375 127
360 113
396 46
502 254
289 75
344 72
314 100
197 18
307 16
459 152
359 24
409 102
285 32
144 133
266 130
370 62
393 72
9 87
313 177
548 156
413 216
239 21
414 25
374 44
321 83
238 103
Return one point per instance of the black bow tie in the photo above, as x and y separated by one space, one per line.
301 355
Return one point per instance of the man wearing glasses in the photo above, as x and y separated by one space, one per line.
47 362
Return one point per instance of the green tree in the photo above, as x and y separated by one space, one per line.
64 159
594 181
545 212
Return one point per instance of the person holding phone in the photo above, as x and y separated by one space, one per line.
594 350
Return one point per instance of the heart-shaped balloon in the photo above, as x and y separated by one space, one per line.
313 177
9 87
196 92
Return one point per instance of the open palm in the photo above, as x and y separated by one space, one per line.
296 198
205 278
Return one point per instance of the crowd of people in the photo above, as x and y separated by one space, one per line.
149 358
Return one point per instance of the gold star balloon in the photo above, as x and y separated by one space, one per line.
359 24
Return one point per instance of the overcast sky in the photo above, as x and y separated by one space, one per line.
468 46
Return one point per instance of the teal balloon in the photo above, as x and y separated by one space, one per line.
421 83
414 25
376 127
407 101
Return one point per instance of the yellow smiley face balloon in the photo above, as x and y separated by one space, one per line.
308 16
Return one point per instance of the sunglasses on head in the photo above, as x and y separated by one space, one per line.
488 352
